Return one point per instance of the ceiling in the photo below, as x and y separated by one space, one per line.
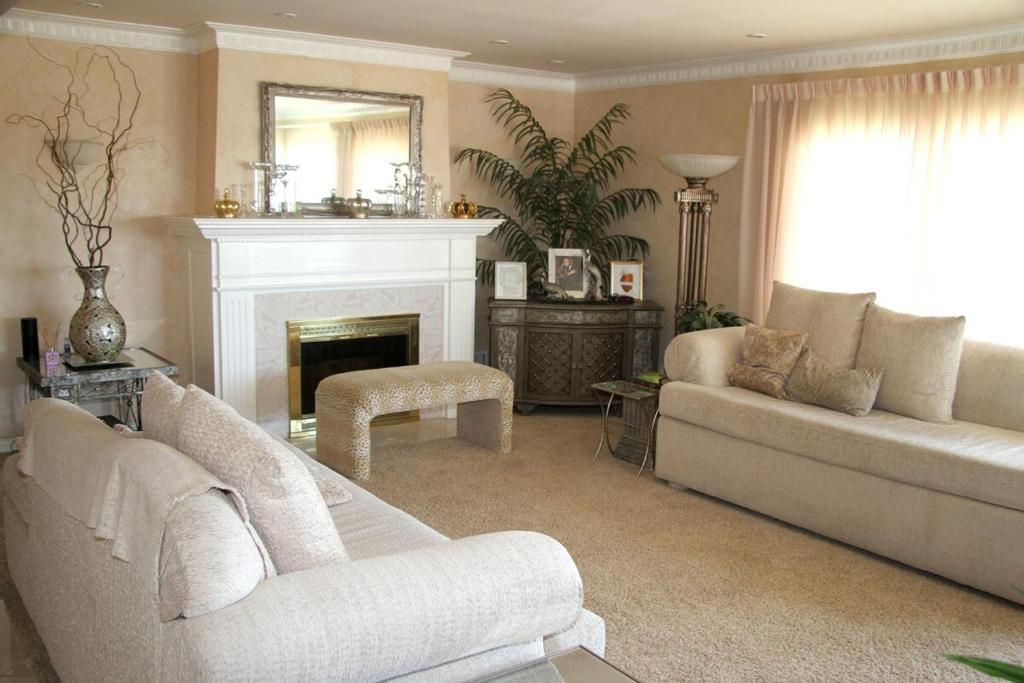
588 35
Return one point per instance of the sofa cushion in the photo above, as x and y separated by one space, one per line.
822 384
832 320
768 358
962 458
990 385
283 501
368 526
161 399
210 558
920 356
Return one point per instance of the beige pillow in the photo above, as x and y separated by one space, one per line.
283 501
768 358
833 321
921 357
209 558
819 383
161 399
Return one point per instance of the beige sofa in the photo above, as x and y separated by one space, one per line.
945 498
407 603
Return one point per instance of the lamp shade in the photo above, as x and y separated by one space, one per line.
698 165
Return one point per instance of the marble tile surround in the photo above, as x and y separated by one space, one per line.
273 310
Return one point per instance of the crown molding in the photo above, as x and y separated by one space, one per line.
511 77
95 31
277 41
975 43
206 36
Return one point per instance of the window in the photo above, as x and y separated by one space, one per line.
908 186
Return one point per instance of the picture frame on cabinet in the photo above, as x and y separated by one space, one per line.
510 280
567 268
626 278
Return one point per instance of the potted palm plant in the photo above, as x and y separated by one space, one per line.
561 194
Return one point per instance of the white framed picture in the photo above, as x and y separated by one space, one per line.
627 279
567 268
510 279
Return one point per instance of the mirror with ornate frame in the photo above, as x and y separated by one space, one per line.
341 140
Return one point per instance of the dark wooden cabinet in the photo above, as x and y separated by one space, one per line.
555 351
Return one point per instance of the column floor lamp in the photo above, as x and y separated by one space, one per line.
695 201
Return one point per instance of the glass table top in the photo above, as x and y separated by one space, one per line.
624 389
134 362
577 665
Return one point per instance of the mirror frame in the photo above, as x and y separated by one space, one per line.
268 117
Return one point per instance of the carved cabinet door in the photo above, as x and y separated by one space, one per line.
549 363
598 358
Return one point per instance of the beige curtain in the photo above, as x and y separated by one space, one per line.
906 185
365 150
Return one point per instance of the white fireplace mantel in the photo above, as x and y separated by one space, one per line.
232 260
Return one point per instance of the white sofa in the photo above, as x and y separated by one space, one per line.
945 498
409 604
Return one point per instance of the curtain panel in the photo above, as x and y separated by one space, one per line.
906 185
365 149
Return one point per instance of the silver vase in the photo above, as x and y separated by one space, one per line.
97 330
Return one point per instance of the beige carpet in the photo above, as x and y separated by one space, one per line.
692 588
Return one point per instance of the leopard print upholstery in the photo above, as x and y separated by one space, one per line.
346 402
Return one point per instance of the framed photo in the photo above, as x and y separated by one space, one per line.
627 279
567 268
510 279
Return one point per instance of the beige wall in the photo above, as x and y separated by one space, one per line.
473 126
238 77
707 117
158 182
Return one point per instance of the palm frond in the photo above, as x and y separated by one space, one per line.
619 204
603 169
499 173
559 193
599 137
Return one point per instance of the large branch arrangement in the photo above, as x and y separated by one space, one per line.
83 194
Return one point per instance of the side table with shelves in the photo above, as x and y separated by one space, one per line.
122 383
555 351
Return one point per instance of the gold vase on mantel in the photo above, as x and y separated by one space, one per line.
97 331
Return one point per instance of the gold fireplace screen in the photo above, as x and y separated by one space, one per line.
317 349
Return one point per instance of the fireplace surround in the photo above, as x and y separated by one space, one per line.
249 276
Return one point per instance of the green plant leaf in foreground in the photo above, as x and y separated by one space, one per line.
991 667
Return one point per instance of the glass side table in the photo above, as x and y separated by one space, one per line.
122 382
578 665
639 419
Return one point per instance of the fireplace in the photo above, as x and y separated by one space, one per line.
320 348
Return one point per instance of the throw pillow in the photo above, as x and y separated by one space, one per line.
833 321
284 503
210 558
819 383
768 358
161 399
921 357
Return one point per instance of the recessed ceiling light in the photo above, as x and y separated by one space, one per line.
757 35
92 5
556 61
286 15
499 41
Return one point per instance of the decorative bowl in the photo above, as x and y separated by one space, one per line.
698 165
